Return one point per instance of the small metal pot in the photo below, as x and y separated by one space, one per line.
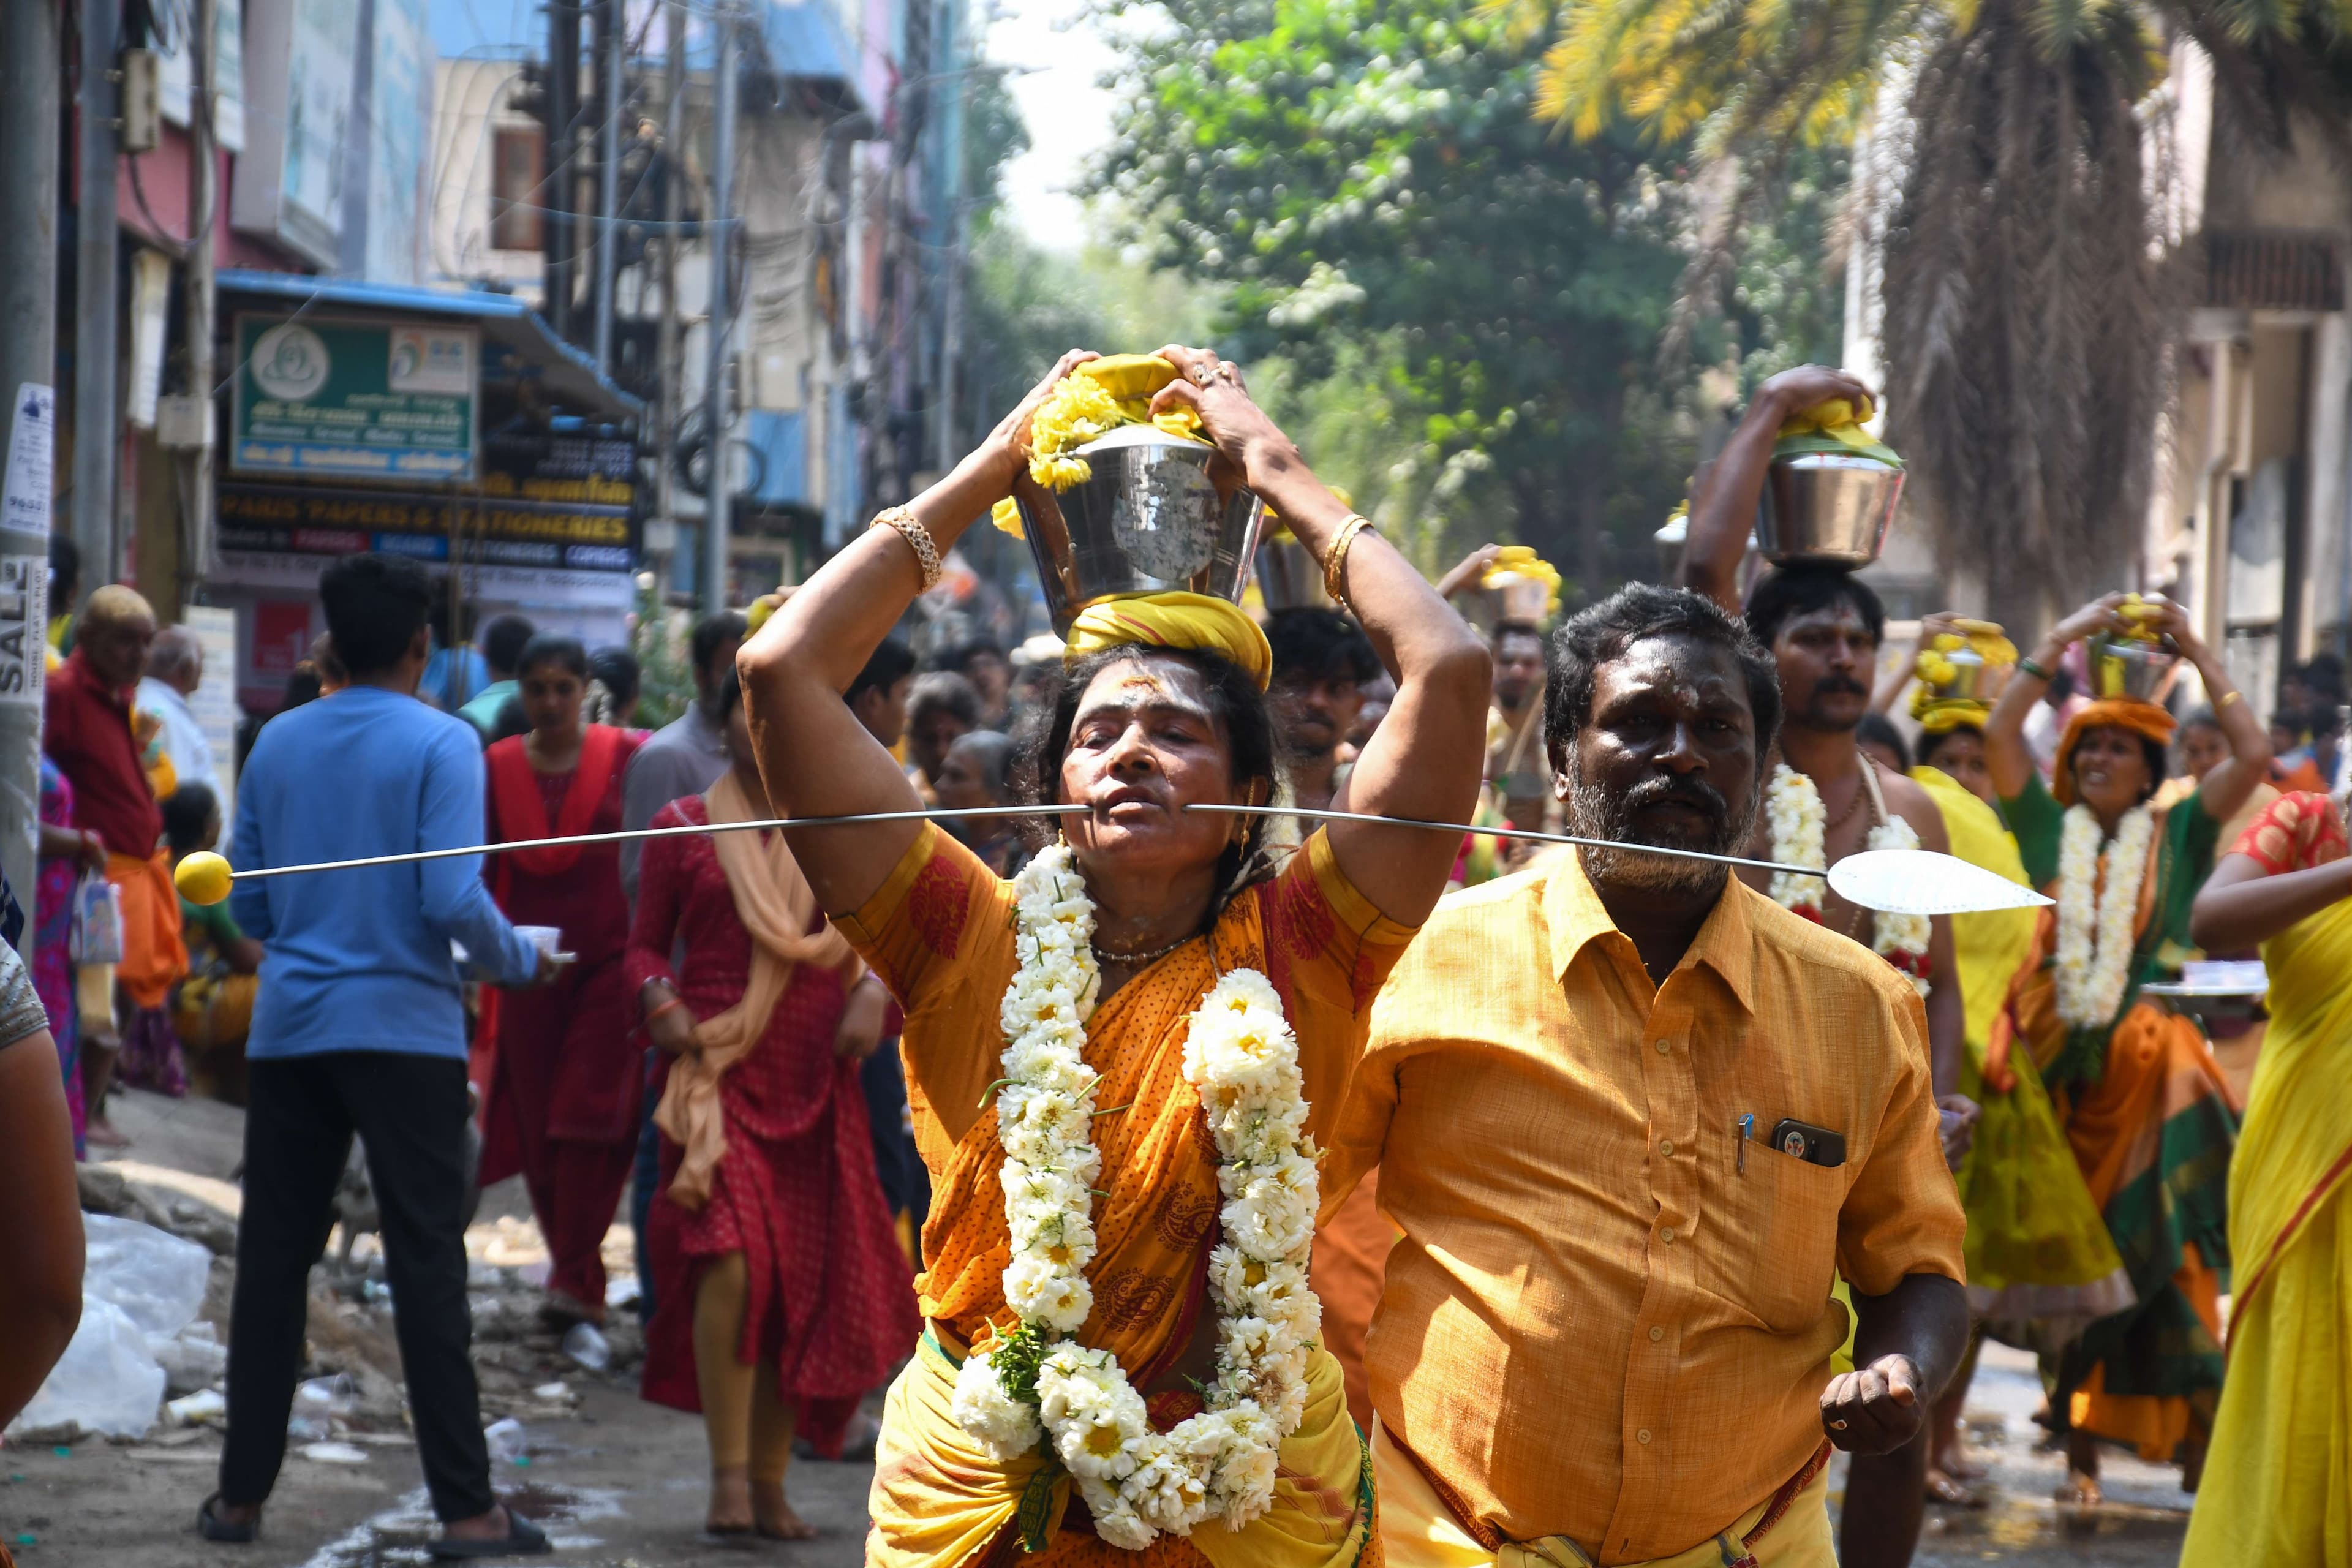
1518 598
1669 540
1155 517
1968 682
2129 668
1827 506
1290 578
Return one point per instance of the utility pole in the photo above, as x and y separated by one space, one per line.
560 191
612 43
719 229
30 68
672 363
97 443
196 560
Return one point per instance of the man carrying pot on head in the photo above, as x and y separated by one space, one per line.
1631 1118
1824 800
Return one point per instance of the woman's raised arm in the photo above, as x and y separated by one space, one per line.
815 758
2007 756
2242 905
1427 757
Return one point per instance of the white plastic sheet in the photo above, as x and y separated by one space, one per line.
141 1288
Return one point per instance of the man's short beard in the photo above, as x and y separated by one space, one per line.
1592 813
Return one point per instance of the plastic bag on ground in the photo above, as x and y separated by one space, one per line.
506 1439
586 1344
193 1359
140 1287
107 1381
156 1279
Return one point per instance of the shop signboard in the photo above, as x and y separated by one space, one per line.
326 399
553 520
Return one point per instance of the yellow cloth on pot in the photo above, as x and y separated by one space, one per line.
1174 620
1832 424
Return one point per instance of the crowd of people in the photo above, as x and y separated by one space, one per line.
1634 1188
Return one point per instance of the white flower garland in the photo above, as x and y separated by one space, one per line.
1242 1055
1798 825
1792 809
2094 923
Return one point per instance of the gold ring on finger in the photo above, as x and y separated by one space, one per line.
1837 1426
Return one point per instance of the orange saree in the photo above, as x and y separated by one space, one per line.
2151 1122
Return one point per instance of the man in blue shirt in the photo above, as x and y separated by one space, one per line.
360 1027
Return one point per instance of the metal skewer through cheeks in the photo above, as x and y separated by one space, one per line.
1898 881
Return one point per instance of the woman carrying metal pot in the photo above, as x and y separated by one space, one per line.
2143 1102
1118 1350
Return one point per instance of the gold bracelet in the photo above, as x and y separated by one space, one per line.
1335 564
2221 703
903 521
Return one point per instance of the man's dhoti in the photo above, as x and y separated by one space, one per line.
939 1500
1789 1529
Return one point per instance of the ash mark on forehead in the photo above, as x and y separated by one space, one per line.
1136 685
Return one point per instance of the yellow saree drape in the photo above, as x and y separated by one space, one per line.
2278 1482
2038 1250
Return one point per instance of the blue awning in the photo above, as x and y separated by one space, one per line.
805 42
798 40
520 345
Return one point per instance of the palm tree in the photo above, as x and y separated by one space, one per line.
2029 298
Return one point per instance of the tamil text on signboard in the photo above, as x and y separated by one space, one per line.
352 400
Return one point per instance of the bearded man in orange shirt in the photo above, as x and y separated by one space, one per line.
1632 1117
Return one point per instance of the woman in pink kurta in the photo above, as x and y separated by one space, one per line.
784 1296
564 1088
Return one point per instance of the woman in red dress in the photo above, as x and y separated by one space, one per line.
782 1293
565 1077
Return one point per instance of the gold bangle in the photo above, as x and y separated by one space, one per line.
1335 564
2221 703
903 521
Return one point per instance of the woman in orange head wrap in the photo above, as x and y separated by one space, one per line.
1162 707
2144 1104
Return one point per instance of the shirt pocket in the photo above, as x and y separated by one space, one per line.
1774 1251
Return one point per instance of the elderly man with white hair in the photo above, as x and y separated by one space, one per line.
176 668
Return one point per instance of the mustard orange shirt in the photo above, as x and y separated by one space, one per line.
1596 1325
939 931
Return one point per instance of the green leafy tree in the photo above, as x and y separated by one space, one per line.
1467 304
2026 307
664 671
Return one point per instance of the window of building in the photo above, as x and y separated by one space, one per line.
518 165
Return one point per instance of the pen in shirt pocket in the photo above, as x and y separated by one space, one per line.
1747 1125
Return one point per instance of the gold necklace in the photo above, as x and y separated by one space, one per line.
1136 960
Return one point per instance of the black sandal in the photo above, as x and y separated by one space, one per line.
522 1539
212 1527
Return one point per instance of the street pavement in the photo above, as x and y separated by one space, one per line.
620 1484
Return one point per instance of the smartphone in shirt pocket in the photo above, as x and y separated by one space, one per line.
1774 1248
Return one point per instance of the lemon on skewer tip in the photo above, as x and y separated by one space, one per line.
203 878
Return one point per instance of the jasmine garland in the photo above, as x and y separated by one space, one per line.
1037 1384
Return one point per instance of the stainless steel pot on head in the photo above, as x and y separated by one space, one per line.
1511 598
1156 518
2128 666
1968 682
1290 578
1827 506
